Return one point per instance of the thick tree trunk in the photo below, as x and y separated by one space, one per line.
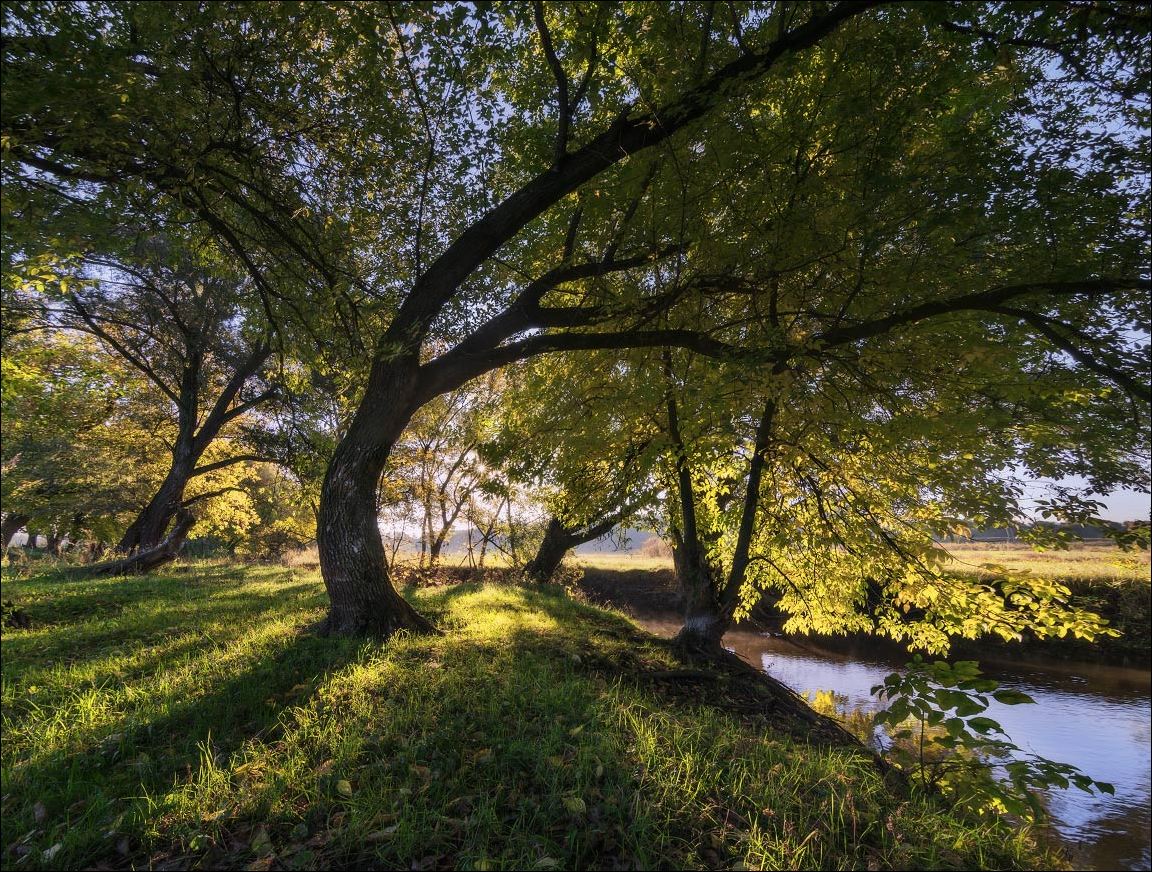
145 561
11 525
362 599
151 525
557 540
706 618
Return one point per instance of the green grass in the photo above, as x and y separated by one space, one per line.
1079 564
185 720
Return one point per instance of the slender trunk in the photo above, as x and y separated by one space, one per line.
54 542
149 528
512 535
710 599
362 599
11 525
706 617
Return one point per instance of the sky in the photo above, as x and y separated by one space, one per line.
1125 506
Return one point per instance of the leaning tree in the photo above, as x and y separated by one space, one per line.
510 180
176 313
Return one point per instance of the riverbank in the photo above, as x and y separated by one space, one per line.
1121 598
187 719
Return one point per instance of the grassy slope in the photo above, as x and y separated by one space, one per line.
183 719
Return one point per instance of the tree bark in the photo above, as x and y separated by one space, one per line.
150 526
362 599
557 540
145 561
148 530
707 614
435 548
11 525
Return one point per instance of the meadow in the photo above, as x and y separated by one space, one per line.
189 719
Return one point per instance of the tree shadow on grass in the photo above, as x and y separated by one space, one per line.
75 625
499 740
101 783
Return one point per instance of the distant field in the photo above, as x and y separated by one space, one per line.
1080 563
1100 562
623 560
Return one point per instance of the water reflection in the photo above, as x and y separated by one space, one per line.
1094 716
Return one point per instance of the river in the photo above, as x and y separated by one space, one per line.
1094 716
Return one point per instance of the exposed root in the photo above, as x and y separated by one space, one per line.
403 618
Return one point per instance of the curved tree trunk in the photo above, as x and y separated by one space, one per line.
557 540
145 561
362 599
11 525
150 526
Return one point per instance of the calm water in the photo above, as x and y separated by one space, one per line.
1092 716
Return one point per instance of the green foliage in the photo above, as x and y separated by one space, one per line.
943 739
920 233
76 421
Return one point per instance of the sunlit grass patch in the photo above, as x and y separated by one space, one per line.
185 719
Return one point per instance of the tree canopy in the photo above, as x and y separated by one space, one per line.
911 238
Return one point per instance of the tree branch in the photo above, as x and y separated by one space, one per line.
451 370
560 149
1044 327
626 135
983 300
221 464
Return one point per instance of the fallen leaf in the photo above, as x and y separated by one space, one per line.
382 835
39 812
344 787
575 805
261 842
